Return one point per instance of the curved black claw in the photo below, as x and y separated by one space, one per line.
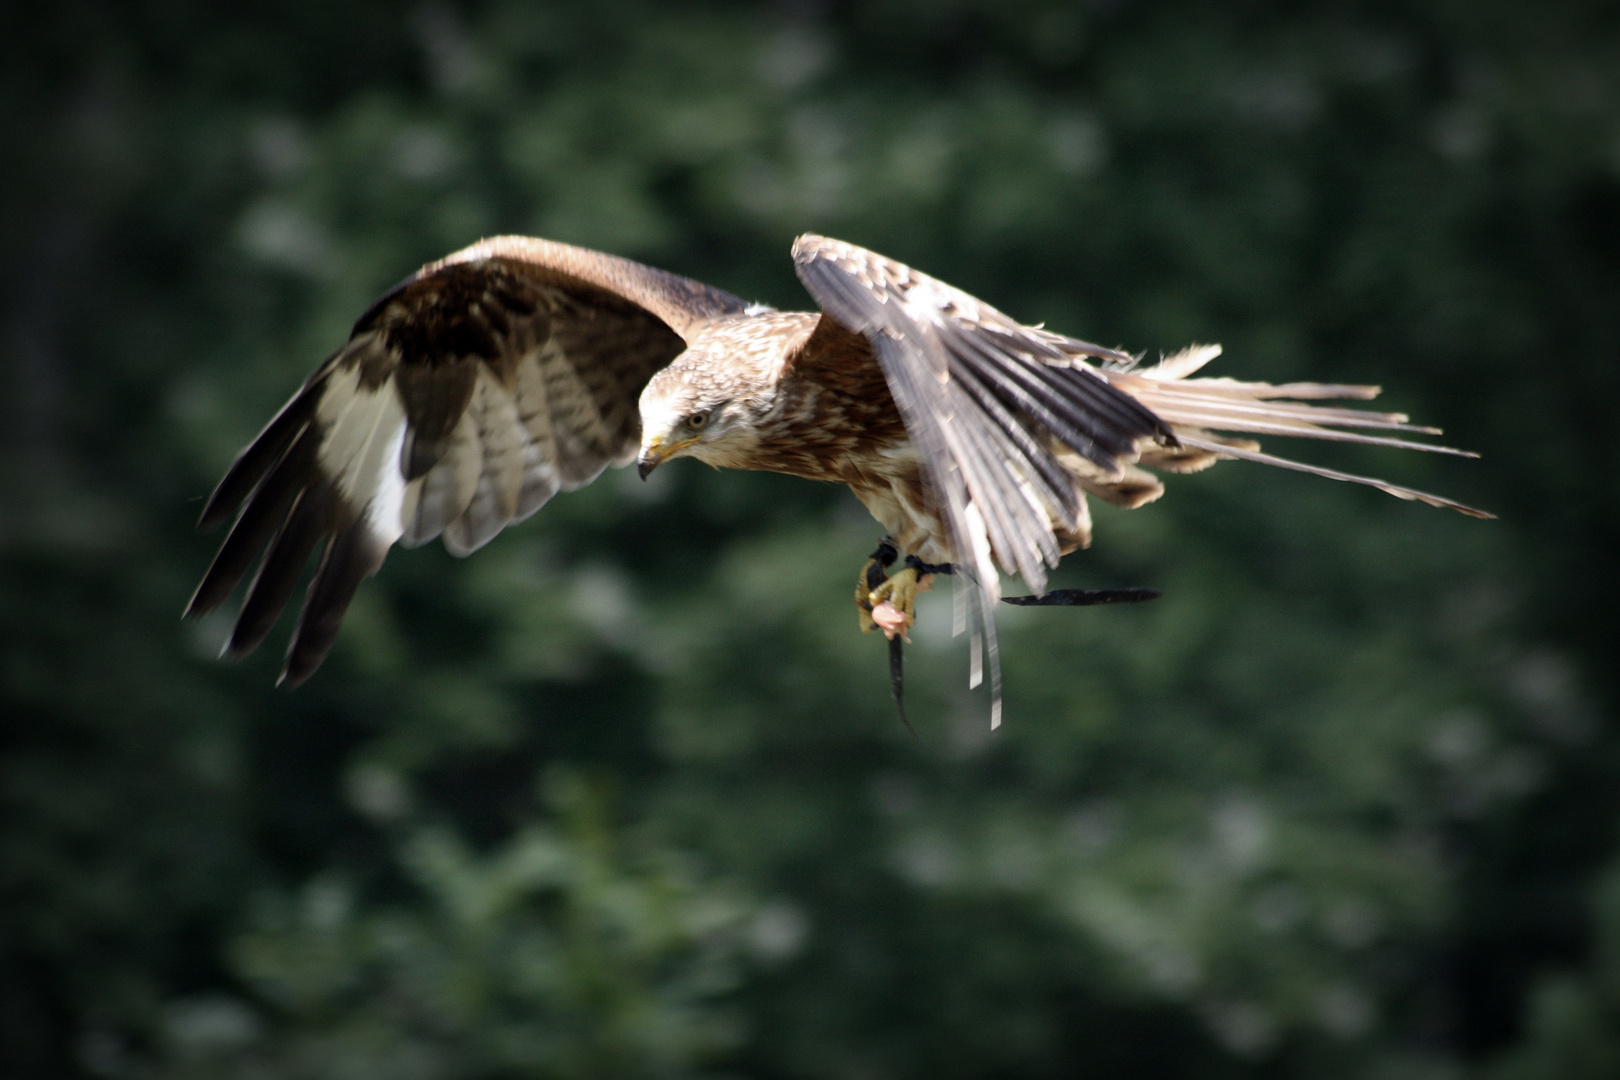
1084 597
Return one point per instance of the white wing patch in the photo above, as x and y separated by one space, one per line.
362 432
385 513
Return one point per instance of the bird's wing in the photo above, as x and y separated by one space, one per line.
465 398
989 404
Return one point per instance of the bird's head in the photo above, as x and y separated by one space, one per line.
710 402
686 411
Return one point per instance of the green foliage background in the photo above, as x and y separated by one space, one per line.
624 795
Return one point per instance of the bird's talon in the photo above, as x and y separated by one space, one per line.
892 605
892 621
872 577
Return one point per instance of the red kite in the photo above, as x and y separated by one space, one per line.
470 394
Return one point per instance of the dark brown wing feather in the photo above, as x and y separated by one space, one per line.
465 398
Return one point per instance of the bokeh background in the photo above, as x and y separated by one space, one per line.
624 795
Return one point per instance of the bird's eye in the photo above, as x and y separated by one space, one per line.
697 421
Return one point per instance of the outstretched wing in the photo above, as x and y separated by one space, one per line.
992 405
465 398
989 404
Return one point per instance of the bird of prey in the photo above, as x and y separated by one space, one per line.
482 385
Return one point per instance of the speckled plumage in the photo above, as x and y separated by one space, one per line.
475 390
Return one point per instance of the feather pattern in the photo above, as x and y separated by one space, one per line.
1192 405
493 412
440 496
1014 425
984 403
987 412
474 391
465 398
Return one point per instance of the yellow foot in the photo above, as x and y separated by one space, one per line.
892 606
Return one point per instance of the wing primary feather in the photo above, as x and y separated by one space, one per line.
941 471
1086 388
278 574
1050 419
1032 528
989 397
353 555
1082 385
992 650
993 513
1016 528
261 455
1057 485
969 536
984 649
1021 383
259 521
1111 420
984 525
945 470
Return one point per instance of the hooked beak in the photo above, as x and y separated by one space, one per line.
648 461
653 453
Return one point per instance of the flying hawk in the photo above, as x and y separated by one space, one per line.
474 391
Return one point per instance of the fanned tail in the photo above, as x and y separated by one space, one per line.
1195 408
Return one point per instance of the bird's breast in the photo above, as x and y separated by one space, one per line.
894 491
822 433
